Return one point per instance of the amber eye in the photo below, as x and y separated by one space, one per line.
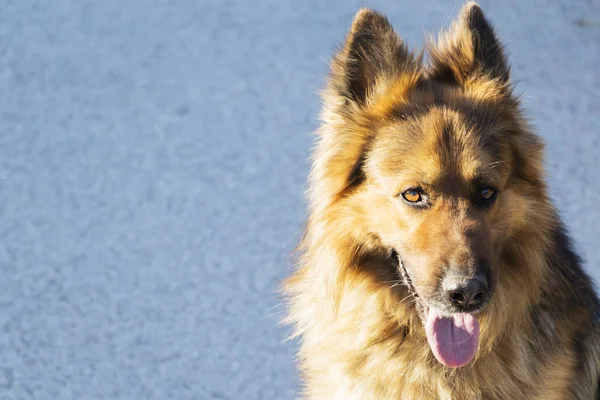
485 197
412 196
487 193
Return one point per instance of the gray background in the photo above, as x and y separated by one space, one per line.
153 156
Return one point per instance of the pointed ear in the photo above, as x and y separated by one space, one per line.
372 52
469 51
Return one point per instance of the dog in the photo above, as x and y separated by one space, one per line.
433 264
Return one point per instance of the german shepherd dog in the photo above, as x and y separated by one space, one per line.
433 264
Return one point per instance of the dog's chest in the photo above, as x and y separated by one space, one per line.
412 373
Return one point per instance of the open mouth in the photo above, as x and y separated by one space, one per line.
453 338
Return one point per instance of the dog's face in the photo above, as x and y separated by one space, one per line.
436 165
439 179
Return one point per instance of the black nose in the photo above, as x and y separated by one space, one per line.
466 294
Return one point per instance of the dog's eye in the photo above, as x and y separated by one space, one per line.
487 193
412 196
486 196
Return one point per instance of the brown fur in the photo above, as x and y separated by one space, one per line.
391 123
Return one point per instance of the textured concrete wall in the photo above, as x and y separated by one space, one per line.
152 161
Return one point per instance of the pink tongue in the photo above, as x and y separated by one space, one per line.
453 340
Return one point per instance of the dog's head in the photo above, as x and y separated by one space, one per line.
434 163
